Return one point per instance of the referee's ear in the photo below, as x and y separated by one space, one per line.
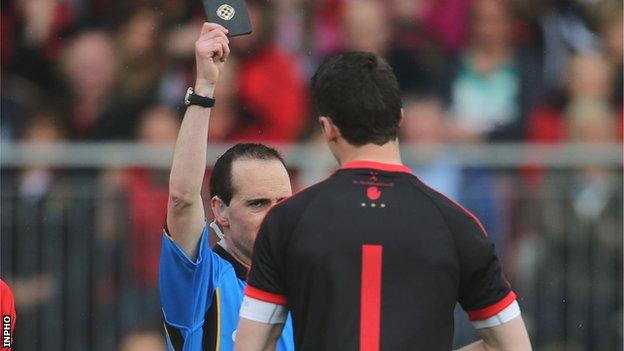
219 210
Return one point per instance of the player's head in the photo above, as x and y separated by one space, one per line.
245 182
357 99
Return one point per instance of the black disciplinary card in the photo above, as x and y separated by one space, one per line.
232 14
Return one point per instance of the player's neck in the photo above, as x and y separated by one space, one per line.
386 153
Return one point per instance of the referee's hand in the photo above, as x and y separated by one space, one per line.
211 51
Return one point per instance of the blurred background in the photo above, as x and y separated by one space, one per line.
512 107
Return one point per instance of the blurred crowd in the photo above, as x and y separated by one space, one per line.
472 71
501 69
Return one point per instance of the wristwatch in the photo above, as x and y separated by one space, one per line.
193 99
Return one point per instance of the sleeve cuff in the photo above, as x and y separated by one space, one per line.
263 312
265 296
492 310
510 312
170 244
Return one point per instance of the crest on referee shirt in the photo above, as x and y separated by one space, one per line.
226 12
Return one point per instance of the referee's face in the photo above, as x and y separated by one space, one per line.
258 185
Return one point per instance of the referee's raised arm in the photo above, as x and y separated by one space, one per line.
185 210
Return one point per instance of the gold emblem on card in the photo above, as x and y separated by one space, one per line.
226 12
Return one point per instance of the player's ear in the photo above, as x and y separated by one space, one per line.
329 128
402 117
219 210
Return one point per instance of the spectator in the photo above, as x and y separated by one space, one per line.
366 27
492 83
270 86
613 41
416 54
399 35
590 78
565 27
142 62
147 195
489 88
424 124
41 129
37 186
32 37
90 68
130 198
580 225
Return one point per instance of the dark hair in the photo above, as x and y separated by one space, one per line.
221 179
360 93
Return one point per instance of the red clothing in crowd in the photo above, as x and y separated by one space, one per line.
546 125
272 92
7 307
148 208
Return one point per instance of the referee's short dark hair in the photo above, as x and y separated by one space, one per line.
361 95
221 184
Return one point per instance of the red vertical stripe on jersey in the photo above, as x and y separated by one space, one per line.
370 306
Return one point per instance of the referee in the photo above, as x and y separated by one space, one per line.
371 258
202 288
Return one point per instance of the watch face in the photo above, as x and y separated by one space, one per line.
187 97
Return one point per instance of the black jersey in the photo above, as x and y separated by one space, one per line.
373 259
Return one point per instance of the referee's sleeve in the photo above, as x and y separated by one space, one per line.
483 290
266 276
186 285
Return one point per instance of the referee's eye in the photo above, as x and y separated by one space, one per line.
258 203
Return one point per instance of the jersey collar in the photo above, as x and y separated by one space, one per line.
387 167
239 269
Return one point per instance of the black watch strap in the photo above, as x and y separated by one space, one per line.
193 99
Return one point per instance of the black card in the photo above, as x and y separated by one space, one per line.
232 14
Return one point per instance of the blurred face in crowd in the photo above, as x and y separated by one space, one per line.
589 77
613 38
258 185
423 122
246 44
140 35
159 125
42 130
408 10
490 23
365 26
590 122
143 342
90 64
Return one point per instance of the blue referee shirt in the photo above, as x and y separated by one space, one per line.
201 300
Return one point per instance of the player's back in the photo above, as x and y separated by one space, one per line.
372 257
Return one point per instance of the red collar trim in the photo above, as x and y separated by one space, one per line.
387 167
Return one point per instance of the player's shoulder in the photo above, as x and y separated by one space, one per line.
455 215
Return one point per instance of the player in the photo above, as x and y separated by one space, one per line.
371 258
202 289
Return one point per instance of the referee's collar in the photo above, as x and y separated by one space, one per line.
239 269
380 166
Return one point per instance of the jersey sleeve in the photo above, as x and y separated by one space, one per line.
266 277
186 286
483 290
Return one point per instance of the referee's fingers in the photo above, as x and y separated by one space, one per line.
214 33
207 27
